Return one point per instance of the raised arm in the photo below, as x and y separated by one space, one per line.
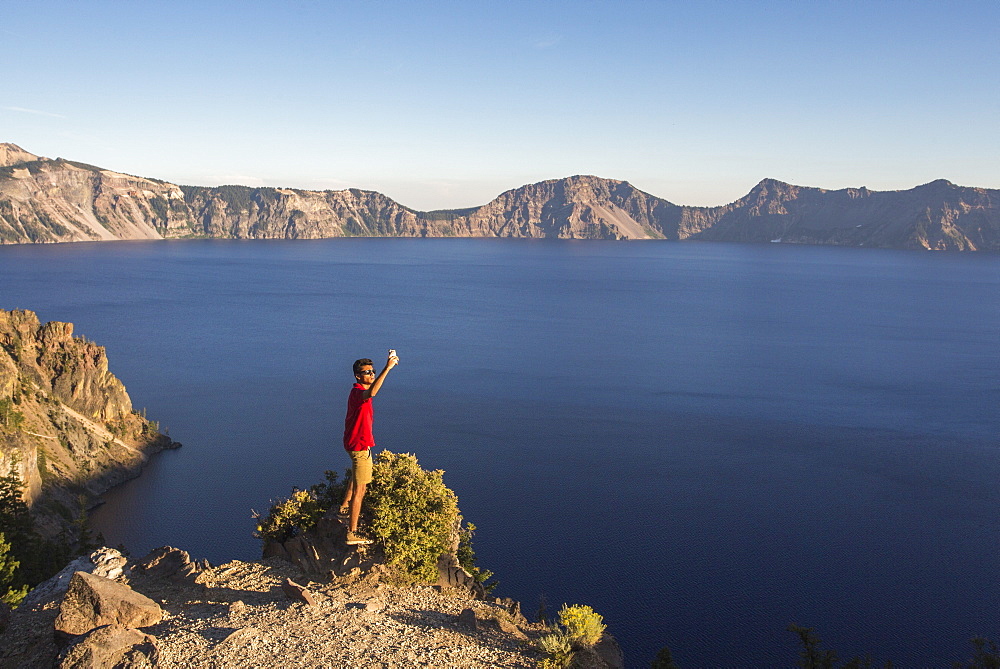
377 383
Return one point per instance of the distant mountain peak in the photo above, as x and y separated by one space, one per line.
938 183
768 181
588 178
769 187
577 180
12 154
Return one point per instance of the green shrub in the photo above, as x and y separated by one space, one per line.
410 512
116 427
578 626
413 514
582 623
331 492
287 517
558 649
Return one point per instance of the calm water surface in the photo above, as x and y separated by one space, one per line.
705 442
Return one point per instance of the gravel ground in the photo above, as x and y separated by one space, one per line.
236 615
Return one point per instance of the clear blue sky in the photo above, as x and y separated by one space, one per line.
447 104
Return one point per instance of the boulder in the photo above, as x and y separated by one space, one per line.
106 562
513 607
169 562
467 619
4 616
111 646
297 593
92 601
610 652
451 574
507 627
274 549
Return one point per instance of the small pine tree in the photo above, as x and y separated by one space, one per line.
15 520
987 655
9 418
37 558
811 657
8 567
467 558
664 660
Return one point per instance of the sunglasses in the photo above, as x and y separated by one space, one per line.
366 371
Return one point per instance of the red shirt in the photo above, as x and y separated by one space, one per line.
358 424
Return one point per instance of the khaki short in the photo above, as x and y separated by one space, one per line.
361 461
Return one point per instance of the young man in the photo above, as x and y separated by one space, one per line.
358 441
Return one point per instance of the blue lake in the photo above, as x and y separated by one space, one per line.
704 442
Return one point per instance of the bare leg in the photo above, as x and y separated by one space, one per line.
355 500
347 495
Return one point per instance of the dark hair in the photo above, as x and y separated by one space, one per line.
358 364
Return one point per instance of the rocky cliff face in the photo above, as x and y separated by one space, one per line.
580 207
44 200
240 212
939 215
67 427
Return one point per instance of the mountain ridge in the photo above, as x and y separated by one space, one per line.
44 200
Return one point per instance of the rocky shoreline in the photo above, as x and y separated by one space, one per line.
68 430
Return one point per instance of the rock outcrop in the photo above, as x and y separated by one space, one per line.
11 154
105 562
112 646
241 614
67 426
43 200
939 216
321 552
172 563
298 593
93 601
